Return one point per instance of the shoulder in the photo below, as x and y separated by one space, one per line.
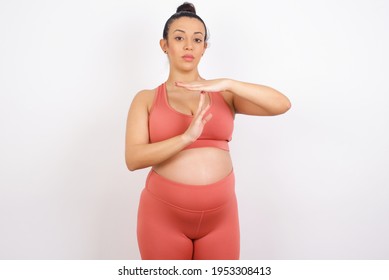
145 95
144 98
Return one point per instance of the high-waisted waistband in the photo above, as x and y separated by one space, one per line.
192 197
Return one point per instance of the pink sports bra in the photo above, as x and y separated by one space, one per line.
165 122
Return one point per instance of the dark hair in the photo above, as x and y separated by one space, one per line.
185 10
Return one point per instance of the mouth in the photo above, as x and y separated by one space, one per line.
188 57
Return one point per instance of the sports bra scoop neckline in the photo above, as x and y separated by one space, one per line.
166 122
175 110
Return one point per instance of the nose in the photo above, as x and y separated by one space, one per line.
188 46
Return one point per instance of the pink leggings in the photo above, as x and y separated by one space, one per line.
183 222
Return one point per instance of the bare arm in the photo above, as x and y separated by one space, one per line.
139 153
249 99
259 100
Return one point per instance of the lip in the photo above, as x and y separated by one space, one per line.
188 57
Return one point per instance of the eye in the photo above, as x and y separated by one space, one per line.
178 38
197 40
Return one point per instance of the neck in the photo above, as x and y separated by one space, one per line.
185 77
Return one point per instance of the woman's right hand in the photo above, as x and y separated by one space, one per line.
199 120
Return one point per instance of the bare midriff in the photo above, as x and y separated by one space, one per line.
198 166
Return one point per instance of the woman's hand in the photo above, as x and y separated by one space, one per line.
199 120
206 85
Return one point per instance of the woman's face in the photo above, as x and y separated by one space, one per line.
185 44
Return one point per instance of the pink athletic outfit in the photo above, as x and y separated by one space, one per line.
181 221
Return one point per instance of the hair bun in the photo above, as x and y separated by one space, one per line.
187 7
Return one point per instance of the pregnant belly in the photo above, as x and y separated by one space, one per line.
198 166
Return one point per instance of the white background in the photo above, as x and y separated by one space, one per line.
311 184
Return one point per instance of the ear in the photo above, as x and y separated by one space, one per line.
163 44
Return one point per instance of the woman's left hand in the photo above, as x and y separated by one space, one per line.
206 85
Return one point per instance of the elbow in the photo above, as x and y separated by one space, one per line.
131 159
131 164
287 105
134 163
131 167
279 109
283 107
134 159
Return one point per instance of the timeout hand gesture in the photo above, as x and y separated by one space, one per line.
199 120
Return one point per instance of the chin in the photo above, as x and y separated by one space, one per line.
187 68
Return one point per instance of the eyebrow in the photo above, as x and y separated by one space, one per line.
179 30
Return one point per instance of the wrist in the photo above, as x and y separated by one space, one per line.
229 84
187 140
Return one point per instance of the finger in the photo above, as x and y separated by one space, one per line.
204 111
201 104
208 103
185 85
207 118
191 86
201 113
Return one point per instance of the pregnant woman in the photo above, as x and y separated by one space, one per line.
181 129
